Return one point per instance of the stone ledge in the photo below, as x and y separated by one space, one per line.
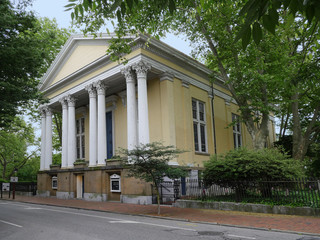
248 207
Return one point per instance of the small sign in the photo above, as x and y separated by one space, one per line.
6 187
13 179
115 183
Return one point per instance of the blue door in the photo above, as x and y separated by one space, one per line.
109 135
183 186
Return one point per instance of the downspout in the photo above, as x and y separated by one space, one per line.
213 122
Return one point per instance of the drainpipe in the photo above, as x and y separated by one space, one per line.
213 122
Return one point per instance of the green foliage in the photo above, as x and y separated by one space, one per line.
28 173
149 162
28 46
14 143
244 164
266 15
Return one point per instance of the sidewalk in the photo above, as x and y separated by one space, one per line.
288 223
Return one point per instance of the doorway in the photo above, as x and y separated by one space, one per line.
80 186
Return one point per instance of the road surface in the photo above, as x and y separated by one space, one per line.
23 221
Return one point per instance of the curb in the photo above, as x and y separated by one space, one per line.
172 218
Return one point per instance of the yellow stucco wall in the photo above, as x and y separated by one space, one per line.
80 57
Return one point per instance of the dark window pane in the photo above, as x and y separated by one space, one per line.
235 140
239 140
77 126
82 125
115 185
83 146
196 140
201 111
194 109
203 138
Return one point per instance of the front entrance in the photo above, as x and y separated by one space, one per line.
80 186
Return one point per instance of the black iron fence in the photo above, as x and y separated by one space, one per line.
20 187
295 192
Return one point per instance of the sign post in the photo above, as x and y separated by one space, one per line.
13 180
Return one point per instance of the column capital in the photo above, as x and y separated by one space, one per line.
100 87
91 90
128 74
63 102
48 111
42 110
141 68
71 101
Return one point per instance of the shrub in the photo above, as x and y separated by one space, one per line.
244 164
238 168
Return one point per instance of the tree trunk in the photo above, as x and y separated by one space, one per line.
158 197
259 132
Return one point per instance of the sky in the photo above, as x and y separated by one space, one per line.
55 9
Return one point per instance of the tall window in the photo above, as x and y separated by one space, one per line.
80 139
199 126
236 131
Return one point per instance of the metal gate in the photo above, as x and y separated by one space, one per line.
169 192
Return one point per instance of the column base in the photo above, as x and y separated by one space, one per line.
101 165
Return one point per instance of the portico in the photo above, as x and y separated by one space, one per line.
137 131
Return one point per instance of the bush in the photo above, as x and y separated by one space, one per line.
237 169
244 164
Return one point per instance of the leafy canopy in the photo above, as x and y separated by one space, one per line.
28 46
253 165
14 143
150 162
265 15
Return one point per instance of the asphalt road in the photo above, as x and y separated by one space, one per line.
22 221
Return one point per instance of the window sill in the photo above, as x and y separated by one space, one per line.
202 153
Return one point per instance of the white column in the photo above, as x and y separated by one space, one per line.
102 131
48 151
71 131
64 153
43 139
131 108
141 70
92 125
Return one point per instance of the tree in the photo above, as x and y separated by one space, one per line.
265 14
237 168
27 48
300 102
149 162
14 143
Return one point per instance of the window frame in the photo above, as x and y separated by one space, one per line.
236 131
199 122
82 138
54 182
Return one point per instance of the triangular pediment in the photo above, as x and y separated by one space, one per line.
77 53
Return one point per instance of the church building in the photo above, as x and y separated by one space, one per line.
159 95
